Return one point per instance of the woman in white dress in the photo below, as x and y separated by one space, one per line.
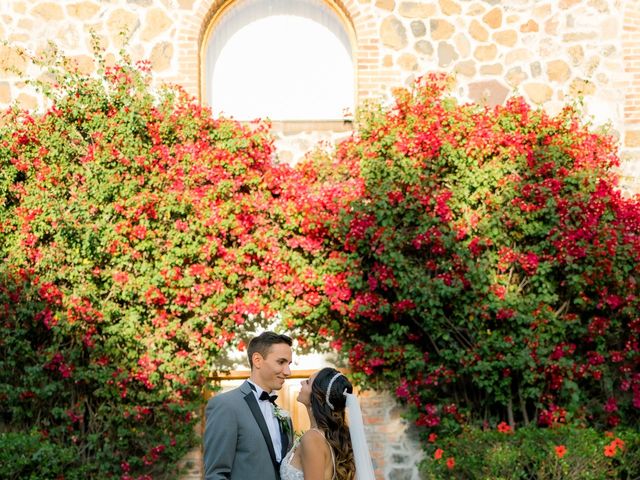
329 450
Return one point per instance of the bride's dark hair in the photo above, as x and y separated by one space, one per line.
332 420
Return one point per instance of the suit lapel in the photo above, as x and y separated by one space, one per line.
284 441
284 437
257 414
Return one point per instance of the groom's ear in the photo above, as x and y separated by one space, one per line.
257 359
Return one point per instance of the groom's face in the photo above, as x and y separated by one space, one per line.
272 370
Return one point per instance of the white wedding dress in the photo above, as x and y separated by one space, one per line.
289 472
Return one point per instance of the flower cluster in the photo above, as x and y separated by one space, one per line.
484 257
284 419
138 236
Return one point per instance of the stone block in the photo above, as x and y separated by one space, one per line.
493 69
493 17
489 92
449 7
576 53
408 61
12 61
84 64
446 54
5 93
462 44
83 10
28 102
161 56
417 10
424 47
49 11
558 71
506 37
441 29
156 23
580 88
517 55
515 76
538 92
477 31
542 10
392 33
466 68
530 26
388 5
579 36
122 21
418 28
485 53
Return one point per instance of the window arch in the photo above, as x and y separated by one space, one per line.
282 59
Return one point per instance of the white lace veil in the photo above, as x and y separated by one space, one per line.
361 455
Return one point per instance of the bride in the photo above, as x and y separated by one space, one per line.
331 449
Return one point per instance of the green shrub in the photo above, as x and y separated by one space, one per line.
560 453
27 456
137 241
480 262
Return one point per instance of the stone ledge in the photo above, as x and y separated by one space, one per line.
288 127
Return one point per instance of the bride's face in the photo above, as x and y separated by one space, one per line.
304 396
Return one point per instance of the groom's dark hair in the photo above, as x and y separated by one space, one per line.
263 342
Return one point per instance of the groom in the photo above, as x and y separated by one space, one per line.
243 437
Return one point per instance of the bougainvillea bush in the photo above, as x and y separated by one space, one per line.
137 237
481 263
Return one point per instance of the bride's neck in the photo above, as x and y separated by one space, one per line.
312 420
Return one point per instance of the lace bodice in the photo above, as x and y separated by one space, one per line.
289 472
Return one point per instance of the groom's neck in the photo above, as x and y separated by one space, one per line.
257 382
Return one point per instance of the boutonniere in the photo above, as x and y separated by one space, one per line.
283 417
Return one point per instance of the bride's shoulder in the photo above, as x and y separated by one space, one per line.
312 438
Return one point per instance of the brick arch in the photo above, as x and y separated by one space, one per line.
358 20
631 58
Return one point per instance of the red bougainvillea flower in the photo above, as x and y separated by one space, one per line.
451 462
561 450
503 427
439 452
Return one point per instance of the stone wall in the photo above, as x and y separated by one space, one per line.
550 51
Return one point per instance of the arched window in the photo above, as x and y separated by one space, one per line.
281 59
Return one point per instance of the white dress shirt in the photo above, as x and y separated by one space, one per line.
266 407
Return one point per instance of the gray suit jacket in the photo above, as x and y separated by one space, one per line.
237 444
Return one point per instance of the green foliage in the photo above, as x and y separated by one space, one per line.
480 262
561 453
27 456
137 242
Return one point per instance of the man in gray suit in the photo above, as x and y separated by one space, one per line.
243 437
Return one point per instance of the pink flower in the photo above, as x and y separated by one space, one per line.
120 277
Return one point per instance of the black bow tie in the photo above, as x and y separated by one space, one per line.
266 396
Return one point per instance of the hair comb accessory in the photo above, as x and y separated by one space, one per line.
333 379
